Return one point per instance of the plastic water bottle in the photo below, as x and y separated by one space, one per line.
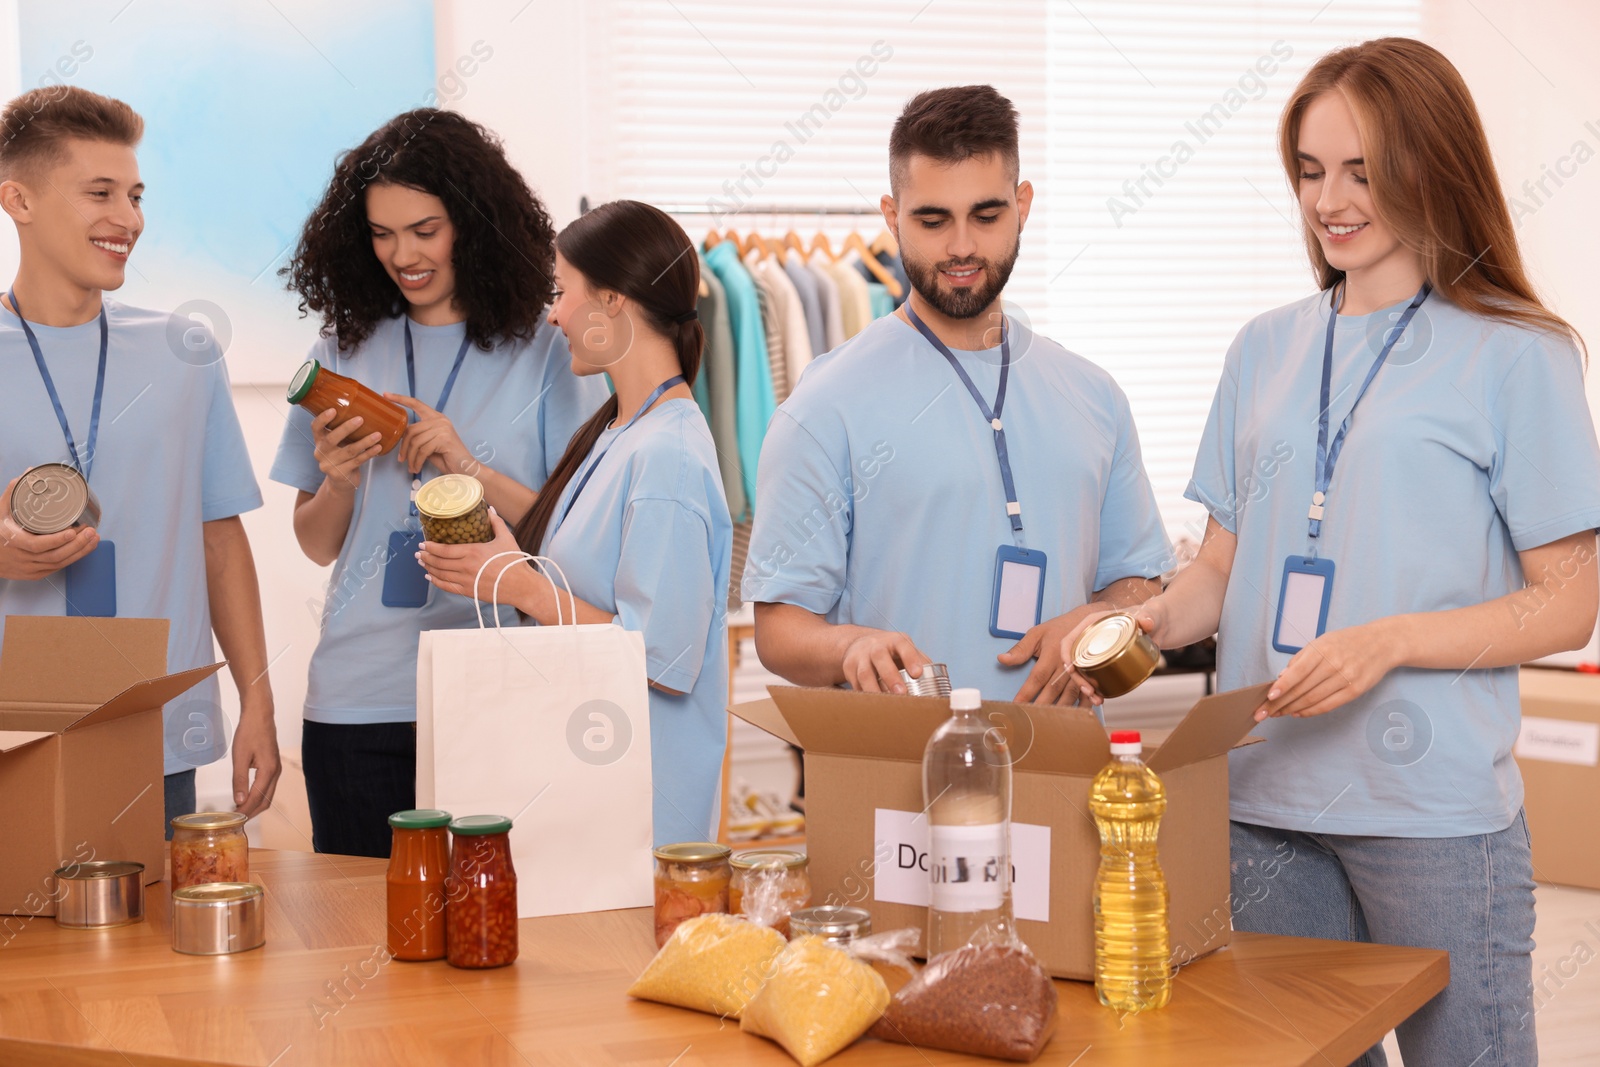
1131 952
966 786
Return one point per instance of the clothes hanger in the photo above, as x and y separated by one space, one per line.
713 238
876 269
885 242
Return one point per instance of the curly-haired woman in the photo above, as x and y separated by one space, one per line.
430 263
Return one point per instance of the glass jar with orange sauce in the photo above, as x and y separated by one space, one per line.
419 861
316 388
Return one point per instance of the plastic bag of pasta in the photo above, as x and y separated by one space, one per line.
711 963
984 1000
818 999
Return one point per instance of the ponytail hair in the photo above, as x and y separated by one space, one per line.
637 250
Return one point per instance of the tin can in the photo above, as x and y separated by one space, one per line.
834 923
453 511
1115 655
99 894
935 681
53 497
217 918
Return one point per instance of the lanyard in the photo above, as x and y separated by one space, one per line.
444 397
1328 454
573 499
1013 508
455 369
55 398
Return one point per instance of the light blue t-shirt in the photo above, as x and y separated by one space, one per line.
170 456
882 503
514 407
649 540
1474 442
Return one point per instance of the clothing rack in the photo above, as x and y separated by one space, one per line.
756 209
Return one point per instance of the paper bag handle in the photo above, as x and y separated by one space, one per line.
539 562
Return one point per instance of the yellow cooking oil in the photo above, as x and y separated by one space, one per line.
1132 972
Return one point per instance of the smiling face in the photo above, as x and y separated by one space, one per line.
82 215
413 238
959 227
1334 194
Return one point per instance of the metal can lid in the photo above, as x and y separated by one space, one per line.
419 819
217 894
449 496
830 921
210 820
49 498
300 384
75 872
693 852
1105 640
784 858
471 825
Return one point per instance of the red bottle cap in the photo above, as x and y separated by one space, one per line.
1125 737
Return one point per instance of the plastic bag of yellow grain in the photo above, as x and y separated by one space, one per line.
817 1000
711 963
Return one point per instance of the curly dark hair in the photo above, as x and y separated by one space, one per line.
504 250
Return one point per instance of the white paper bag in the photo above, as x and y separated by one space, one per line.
549 725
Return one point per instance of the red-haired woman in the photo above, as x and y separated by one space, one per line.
1432 528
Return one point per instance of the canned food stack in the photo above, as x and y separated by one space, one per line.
453 511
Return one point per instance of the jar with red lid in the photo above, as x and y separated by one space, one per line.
419 861
481 893
316 388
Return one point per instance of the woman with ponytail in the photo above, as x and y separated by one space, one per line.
1429 527
634 511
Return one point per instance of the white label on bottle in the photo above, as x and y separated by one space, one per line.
901 872
966 867
1559 741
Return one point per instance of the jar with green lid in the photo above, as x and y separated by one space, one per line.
768 884
691 879
209 846
481 893
453 511
419 861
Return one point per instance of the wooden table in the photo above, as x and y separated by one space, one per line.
319 993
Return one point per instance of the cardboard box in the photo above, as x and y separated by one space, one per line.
81 749
863 757
1558 751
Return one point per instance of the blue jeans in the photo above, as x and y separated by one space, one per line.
179 796
1471 896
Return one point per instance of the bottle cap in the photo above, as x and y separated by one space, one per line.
1125 743
965 700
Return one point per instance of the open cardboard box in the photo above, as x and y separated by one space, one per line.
865 834
1558 752
81 749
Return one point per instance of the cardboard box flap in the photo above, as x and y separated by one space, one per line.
1213 726
764 714
1052 739
842 722
142 696
106 656
10 740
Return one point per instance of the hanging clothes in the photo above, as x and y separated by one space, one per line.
716 388
772 324
753 374
879 300
828 297
805 284
893 265
856 306
796 336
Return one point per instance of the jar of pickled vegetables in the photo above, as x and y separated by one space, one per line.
209 846
481 893
453 511
691 879
419 860
316 388
768 884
